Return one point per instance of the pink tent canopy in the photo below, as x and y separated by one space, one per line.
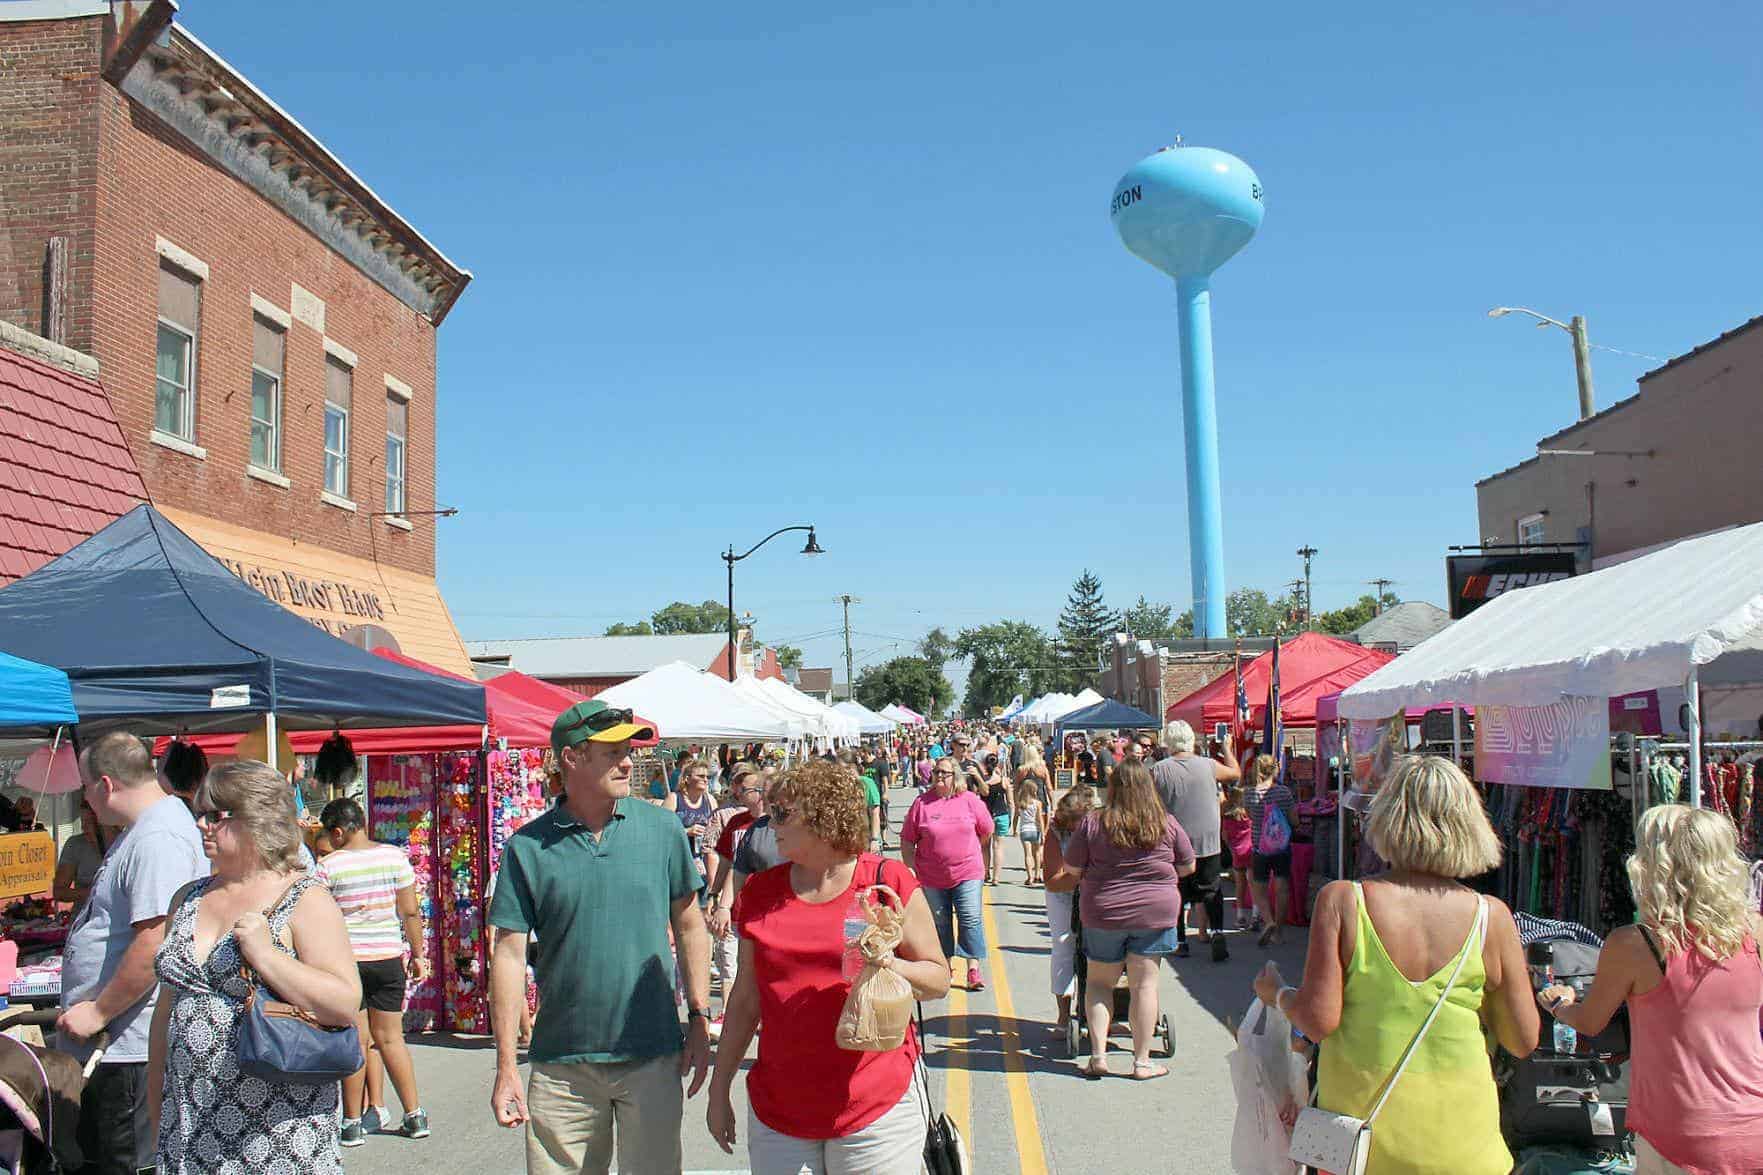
1312 665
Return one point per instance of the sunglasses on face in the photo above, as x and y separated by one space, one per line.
942 775
210 817
600 720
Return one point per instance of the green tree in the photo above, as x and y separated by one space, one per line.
680 618
1085 627
640 628
1009 657
1182 628
1153 622
1248 612
1341 621
789 656
912 681
936 647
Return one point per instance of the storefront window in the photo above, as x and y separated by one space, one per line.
397 430
1530 530
174 405
339 395
268 350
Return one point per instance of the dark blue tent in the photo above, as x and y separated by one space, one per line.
1107 714
33 698
156 633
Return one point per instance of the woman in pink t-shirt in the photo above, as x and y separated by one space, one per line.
1692 975
944 841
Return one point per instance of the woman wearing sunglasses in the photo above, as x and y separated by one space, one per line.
944 840
815 1106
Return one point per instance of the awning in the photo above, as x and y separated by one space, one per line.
336 592
34 699
685 704
1311 666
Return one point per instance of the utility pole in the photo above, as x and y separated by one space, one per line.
850 681
1307 552
1296 587
1380 585
1582 364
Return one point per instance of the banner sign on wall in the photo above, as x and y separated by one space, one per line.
1473 580
1563 744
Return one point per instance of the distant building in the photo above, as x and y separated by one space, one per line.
1153 674
589 664
1401 626
1675 460
816 683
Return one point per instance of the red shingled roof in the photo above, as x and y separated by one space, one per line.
65 471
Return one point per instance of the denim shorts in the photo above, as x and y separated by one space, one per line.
1113 946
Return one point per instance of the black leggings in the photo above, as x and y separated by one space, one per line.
1202 885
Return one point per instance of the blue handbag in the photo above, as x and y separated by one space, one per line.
282 1043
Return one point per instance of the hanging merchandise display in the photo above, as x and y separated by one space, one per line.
401 811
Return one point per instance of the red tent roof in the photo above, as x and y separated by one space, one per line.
1311 665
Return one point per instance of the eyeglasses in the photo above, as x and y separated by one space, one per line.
942 775
600 720
208 817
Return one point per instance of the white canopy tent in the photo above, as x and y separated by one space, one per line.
1688 615
754 694
828 724
689 705
1039 710
868 721
903 717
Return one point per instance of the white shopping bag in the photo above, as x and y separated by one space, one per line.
1269 1079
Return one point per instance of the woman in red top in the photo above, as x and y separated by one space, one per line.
814 1105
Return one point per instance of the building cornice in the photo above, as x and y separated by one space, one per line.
185 83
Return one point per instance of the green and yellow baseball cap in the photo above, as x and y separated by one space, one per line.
595 721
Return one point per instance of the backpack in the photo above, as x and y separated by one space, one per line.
1276 831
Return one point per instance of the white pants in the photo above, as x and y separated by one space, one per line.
891 1145
724 953
1648 1161
1063 956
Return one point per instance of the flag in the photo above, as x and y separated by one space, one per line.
1272 736
1239 727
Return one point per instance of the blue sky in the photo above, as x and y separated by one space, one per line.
744 266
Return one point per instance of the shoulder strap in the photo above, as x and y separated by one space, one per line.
1474 944
1652 946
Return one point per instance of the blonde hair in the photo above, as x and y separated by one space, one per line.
262 803
1178 736
1428 817
1266 767
1031 756
1690 885
1134 817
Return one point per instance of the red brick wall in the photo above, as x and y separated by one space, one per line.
154 184
49 89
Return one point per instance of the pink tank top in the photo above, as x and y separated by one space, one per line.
1696 1071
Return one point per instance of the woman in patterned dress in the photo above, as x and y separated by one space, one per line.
258 911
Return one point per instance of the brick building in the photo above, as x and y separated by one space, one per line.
264 322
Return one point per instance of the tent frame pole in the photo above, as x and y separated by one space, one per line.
1693 706
1340 810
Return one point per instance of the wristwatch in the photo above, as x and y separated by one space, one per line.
698 1014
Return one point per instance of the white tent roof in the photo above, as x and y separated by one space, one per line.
1046 707
798 724
688 704
868 721
1639 625
822 719
901 716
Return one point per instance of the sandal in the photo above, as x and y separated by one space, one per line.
1148 1070
1092 1071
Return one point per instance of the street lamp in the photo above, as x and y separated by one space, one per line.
729 557
1582 352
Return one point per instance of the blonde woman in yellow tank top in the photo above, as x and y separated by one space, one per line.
1380 955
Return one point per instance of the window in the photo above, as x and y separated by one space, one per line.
174 401
397 429
1530 530
268 350
339 393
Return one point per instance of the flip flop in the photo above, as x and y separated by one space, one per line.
1092 1072
1148 1070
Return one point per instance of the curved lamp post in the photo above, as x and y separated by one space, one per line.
729 557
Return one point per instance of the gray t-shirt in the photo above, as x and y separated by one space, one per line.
154 857
1188 787
757 851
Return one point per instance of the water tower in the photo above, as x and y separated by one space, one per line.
1188 210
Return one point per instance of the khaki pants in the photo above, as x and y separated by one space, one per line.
1648 1161
576 1108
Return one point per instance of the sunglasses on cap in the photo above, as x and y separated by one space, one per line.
599 720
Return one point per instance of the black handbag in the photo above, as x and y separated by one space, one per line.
279 1042
945 1151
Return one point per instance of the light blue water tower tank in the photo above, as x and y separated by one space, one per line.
1188 210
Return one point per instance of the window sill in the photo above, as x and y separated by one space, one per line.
400 523
268 475
336 500
178 444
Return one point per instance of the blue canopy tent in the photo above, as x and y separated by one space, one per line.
156 634
1107 714
34 699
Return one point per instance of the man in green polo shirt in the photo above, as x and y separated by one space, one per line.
599 879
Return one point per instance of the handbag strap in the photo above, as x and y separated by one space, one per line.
1474 944
245 971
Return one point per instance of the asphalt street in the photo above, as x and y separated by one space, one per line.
997 1061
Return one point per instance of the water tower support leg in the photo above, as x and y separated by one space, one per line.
1199 412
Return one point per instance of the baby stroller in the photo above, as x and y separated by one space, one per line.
40 1099
1077 1028
1566 1110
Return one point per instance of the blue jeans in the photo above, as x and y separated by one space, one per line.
960 904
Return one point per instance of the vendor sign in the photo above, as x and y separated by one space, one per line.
27 863
1563 744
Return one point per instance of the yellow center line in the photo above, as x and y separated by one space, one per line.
1029 1154
956 1103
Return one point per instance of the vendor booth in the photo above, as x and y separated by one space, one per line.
868 721
1311 666
1107 714
1541 667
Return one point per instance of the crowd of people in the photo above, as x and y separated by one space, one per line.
741 875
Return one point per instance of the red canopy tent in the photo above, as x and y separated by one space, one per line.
1311 665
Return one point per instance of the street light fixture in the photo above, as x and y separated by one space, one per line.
1582 353
812 548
